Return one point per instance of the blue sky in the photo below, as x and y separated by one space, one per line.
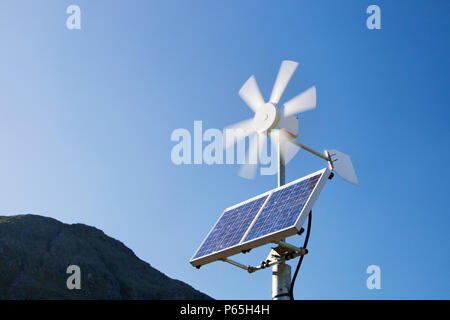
86 118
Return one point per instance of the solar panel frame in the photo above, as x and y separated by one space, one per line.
232 250
268 238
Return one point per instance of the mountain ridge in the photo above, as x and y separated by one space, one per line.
35 252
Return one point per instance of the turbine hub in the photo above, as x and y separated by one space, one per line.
266 117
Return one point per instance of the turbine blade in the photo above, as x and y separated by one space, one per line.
303 102
289 150
251 95
237 131
248 170
262 144
290 124
284 75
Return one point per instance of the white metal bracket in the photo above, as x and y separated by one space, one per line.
283 252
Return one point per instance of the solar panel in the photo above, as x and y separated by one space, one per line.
231 227
283 208
271 216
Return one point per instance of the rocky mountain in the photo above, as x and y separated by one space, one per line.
36 251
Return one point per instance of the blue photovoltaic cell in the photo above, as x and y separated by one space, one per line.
231 227
283 208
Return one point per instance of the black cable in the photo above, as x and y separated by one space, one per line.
291 290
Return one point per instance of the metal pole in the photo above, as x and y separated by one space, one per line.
281 164
281 273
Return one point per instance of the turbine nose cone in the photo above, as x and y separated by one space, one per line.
266 117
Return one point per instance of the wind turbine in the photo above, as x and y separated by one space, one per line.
280 123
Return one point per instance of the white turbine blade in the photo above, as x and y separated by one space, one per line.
342 165
303 102
290 124
262 144
251 95
290 149
248 170
284 75
237 131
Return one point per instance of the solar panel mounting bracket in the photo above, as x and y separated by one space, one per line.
289 247
283 252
